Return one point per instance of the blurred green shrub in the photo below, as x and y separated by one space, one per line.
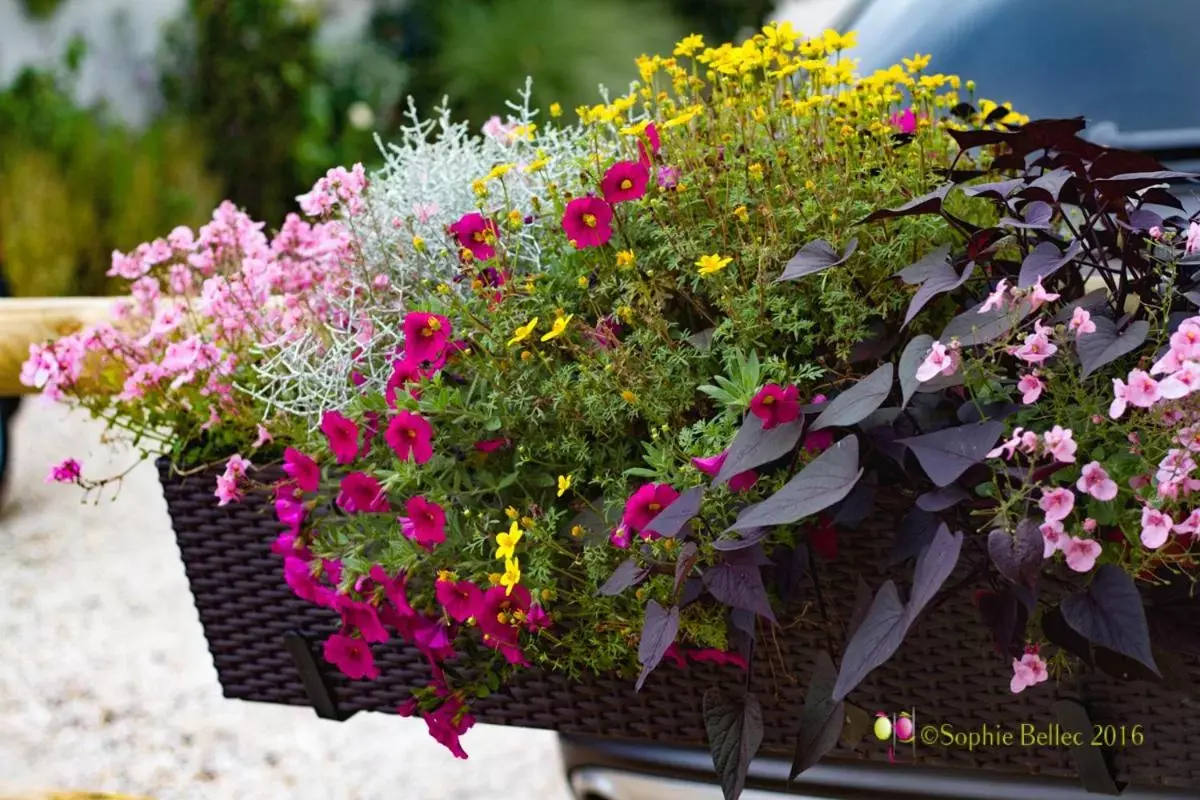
75 185
480 51
41 9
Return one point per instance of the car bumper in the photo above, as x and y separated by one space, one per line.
609 770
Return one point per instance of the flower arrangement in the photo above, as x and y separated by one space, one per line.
562 391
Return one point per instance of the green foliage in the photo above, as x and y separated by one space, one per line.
75 185
41 9
485 49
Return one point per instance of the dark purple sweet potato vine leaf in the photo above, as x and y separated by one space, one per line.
941 499
658 633
929 264
1110 614
1018 557
626 575
1045 260
944 279
972 328
948 453
859 401
888 619
815 257
683 509
752 446
915 532
823 482
748 538
739 586
821 719
1104 345
925 204
734 723
910 361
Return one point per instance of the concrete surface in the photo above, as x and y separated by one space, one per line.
106 684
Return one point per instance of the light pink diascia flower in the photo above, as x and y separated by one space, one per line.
1030 386
1052 537
1029 671
1095 481
1156 526
1036 348
1060 443
1142 390
997 298
1081 553
940 361
1081 322
1039 296
1057 503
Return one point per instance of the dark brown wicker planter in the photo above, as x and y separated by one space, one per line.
265 644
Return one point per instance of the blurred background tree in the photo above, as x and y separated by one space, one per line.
256 105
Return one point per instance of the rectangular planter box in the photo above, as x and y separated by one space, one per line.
266 642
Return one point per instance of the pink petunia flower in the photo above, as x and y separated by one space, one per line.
711 466
1031 387
410 436
775 405
625 180
1156 527
425 336
1142 390
1052 537
587 222
460 599
351 656
67 471
361 493
647 503
940 361
1081 322
1095 481
1029 671
302 469
427 522
342 434
1081 553
1060 443
476 234
997 299
1057 503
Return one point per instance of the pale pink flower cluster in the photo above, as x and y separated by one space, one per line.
1005 297
1029 670
1080 553
339 188
941 360
1058 442
1037 346
504 132
228 491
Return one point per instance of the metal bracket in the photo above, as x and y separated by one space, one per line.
1092 763
312 675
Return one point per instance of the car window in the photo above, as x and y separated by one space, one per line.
1119 62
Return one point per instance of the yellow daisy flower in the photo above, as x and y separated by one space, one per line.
713 264
522 333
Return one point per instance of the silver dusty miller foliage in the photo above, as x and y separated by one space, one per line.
424 186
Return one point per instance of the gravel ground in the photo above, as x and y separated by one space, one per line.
106 684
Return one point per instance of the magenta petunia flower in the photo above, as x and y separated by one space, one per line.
302 469
448 723
361 494
775 405
473 232
460 599
300 579
619 537
66 472
537 619
410 436
285 545
714 656
433 638
491 445
905 121
360 615
394 589
625 180
425 336
403 373
289 507
646 503
351 656
500 614
711 466
587 222
427 522
342 434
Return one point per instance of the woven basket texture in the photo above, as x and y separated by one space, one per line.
947 670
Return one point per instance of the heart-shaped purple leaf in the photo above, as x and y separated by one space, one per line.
972 328
948 453
941 499
672 519
658 633
1110 614
626 575
925 204
688 556
739 586
930 264
910 360
940 281
825 481
821 719
1018 556
753 446
1045 260
734 723
1104 345
815 257
859 401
